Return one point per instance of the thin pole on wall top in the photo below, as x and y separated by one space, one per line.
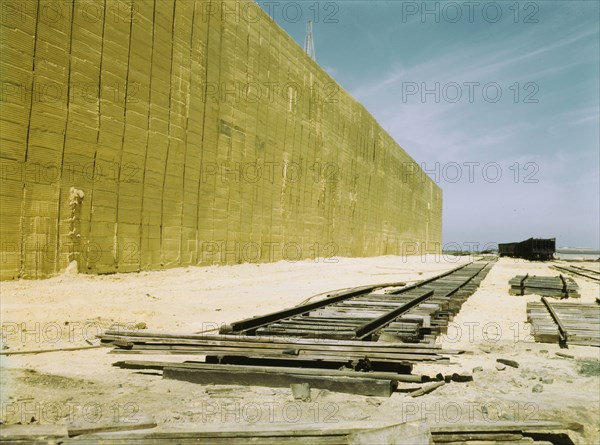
309 43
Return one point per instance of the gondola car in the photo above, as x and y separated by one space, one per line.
534 249
506 249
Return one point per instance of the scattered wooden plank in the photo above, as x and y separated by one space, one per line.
31 432
335 433
236 434
458 437
133 364
360 433
562 354
427 389
265 341
43 351
167 439
297 351
412 433
504 426
350 385
511 363
141 424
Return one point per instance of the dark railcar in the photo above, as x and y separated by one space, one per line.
535 249
506 249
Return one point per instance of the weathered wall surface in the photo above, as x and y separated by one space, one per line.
151 134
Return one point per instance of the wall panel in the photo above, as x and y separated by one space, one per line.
147 134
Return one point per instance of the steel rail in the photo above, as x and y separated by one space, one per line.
372 326
576 272
250 325
562 330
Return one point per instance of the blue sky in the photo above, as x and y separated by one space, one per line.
541 134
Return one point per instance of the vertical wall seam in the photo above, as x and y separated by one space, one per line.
62 158
23 251
148 131
214 192
120 166
35 40
256 148
89 235
100 71
187 121
162 198
206 45
21 271
231 219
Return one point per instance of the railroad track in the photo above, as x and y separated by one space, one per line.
565 323
417 312
330 344
591 274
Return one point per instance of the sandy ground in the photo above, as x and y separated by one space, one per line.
83 387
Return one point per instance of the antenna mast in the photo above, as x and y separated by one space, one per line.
309 43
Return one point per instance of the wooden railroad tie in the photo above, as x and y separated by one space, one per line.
546 286
564 322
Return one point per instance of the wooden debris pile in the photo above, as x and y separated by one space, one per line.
356 341
546 286
368 368
565 323
534 432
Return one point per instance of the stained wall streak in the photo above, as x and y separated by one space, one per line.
148 134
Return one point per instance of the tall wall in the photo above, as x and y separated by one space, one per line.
144 134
